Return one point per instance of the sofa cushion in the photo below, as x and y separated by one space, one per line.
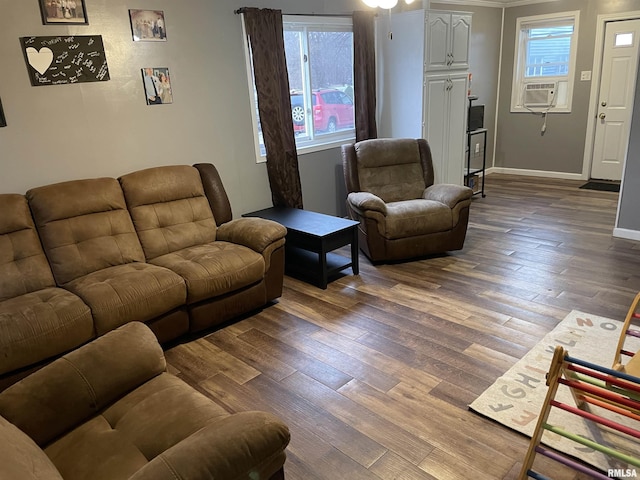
169 209
130 292
84 226
42 324
21 458
64 394
23 265
134 430
214 269
416 217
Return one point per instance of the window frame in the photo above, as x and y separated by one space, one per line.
564 83
295 22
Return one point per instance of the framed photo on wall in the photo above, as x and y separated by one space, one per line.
148 25
157 85
63 11
3 121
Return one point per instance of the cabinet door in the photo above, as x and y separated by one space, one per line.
456 134
437 41
460 34
436 113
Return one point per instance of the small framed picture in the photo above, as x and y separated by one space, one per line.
157 85
63 11
148 25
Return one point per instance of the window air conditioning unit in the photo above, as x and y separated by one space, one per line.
539 94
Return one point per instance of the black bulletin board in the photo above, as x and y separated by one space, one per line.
65 59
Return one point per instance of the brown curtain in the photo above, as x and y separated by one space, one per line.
264 29
364 81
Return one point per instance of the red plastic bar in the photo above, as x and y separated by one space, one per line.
595 418
599 392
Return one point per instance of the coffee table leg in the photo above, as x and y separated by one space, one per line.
355 251
324 278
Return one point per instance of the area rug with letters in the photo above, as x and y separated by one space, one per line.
515 399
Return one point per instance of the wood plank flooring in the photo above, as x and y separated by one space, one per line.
374 374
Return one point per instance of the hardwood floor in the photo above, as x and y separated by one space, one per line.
374 374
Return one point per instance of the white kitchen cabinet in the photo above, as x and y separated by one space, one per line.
444 127
447 40
417 102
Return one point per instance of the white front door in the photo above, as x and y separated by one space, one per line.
615 100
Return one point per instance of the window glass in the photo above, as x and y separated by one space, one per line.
624 39
548 51
545 57
319 54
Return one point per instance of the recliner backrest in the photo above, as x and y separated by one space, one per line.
84 226
169 209
23 265
394 169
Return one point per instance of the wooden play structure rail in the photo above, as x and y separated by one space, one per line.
607 389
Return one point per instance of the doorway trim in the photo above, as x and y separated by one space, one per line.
595 87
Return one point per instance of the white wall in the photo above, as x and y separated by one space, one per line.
65 132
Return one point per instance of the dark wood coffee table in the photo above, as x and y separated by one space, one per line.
311 237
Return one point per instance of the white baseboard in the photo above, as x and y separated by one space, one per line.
626 233
536 173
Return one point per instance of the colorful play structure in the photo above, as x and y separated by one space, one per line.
598 392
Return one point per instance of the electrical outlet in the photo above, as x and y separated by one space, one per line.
477 148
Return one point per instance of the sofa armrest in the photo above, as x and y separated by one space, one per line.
449 194
63 394
364 201
256 233
241 445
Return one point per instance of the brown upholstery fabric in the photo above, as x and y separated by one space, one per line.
401 213
37 320
246 445
131 292
65 393
84 227
390 169
169 209
41 325
214 269
215 192
109 411
23 265
21 458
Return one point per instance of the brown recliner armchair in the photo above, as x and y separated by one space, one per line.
402 214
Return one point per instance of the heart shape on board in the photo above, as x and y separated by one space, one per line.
40 60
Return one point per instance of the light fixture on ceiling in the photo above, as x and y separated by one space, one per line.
384 3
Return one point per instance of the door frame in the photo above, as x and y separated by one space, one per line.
595 88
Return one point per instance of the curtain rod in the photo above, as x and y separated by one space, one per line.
243 9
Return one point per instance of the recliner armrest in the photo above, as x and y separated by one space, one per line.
241 445
447 193
256 233
364 201
63 394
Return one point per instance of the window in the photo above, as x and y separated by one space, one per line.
544 64
319 52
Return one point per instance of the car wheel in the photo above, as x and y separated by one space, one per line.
332 125
297 113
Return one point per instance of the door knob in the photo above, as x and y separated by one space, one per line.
604 104
602 116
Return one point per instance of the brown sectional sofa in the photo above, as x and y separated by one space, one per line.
110 411
145 247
